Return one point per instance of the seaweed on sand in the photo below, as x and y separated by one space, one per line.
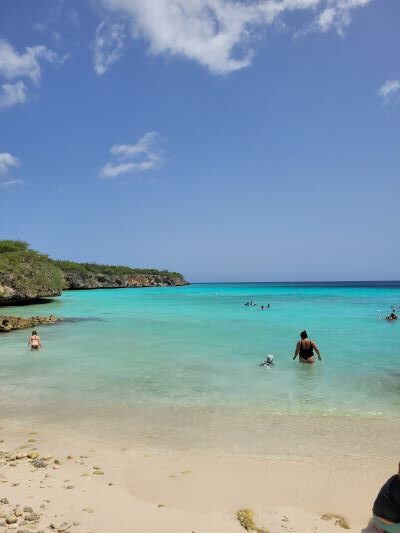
246 520
339 520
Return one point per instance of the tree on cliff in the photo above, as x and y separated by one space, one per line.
26 274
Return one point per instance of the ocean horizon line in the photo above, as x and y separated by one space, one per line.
358 283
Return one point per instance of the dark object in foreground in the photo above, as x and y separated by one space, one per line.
386 507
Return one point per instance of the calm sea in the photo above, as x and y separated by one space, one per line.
177 356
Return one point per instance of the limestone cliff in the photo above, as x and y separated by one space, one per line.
26 275
95 280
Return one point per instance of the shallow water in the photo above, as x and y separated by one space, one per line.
188 356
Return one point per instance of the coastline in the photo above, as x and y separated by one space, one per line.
152 488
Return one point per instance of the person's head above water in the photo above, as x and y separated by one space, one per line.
270 358
303 334
34 332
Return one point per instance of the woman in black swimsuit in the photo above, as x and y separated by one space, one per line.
305 349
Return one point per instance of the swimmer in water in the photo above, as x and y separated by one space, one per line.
268 361
392 316
305 349
34 341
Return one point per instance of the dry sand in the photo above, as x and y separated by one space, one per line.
87 484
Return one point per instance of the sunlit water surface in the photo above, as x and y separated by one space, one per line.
184 360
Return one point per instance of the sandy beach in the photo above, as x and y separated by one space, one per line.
54 478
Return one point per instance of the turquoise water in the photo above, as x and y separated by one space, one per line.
196 349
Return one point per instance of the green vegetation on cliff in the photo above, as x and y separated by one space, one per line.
26 274
94 268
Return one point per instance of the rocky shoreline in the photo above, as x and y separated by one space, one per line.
95 280
11 323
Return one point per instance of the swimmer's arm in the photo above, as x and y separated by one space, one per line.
316 349
29 341
297 350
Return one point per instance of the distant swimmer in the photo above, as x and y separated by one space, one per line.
34 341
268 361
392 316
386 509
305 349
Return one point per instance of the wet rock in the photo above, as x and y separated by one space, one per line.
9 323
39 463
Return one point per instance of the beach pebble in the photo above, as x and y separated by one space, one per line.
70 457
88 510
98 473
57 462
76 523
64 527
3 523
28 509
31 517
18 511
4 501
20 455
33 454
11 519
69 486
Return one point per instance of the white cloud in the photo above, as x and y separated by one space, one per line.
15 65
12 93
390 91
25 65
218 34
108 44
337 14
6 161
9 184
146 154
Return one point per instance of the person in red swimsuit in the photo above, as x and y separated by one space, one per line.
305 349
34 341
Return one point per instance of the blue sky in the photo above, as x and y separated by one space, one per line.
228 140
